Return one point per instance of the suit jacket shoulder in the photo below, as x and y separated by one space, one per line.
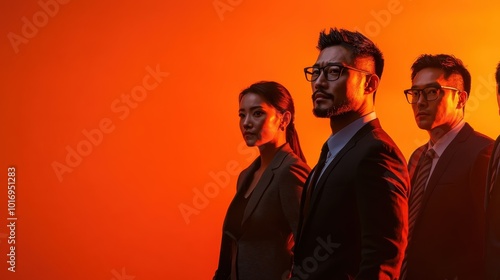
269 219
284 163
357 217
492 205
451 216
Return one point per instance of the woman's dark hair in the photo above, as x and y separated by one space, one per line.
278 96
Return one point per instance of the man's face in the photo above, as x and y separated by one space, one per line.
346 94
447 110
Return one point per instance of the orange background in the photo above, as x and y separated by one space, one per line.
117 214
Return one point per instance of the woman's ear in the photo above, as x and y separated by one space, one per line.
286 119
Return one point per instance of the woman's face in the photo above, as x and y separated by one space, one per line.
259 121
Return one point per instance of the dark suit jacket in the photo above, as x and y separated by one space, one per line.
493 222
357 222
447 240
269 222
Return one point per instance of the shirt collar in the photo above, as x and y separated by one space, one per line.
446 139
338 140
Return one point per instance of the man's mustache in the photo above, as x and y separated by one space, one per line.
323 94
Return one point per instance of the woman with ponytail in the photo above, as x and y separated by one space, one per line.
262 220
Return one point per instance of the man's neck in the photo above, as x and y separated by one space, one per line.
337 123
438 132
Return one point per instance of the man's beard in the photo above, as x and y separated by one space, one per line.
333 111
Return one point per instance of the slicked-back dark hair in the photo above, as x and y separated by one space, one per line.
359 45
497 77
280 98
448 63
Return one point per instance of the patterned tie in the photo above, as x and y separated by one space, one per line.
494 170
416 198
315 177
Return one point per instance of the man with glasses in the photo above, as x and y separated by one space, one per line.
446 206
353 220
492 203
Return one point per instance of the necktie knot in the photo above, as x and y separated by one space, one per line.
323 155
431 154
325 149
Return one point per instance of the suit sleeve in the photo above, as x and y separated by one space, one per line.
493 225
224 268
381 189
478 180
223 271
291 182
477 219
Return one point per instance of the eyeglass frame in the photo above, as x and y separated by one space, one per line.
323 70
421 90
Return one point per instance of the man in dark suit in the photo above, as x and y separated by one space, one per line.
353 222
492 203
446 206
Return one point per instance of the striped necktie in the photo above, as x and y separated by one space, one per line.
494 172
416 198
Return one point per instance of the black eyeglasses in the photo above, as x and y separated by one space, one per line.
430 93
331 71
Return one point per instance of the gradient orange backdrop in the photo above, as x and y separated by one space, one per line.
115 213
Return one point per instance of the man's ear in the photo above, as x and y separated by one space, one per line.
371 84
462 99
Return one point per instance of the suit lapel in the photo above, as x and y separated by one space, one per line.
416 161
444 162
350 145
247 176
264 182
490 169
319 186
244 181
